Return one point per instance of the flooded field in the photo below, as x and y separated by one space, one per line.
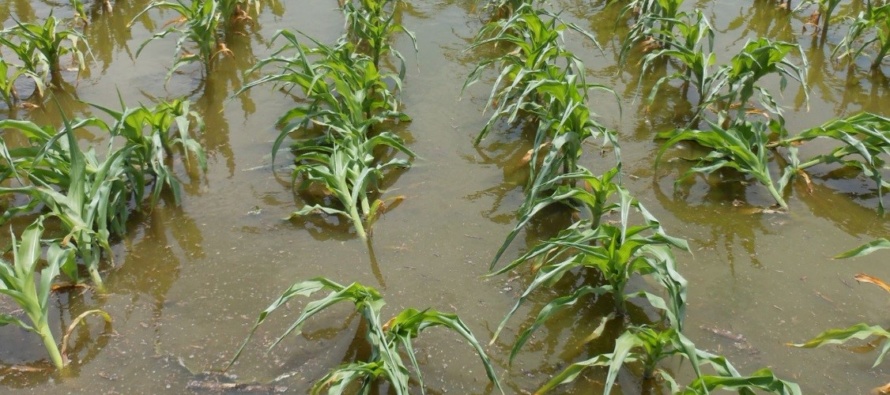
188 282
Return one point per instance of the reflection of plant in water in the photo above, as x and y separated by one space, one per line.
17 281
386 339
824 11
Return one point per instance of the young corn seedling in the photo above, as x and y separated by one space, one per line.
755 61
689 45
155 134
372 27
388 340
198 24
655 21
648 346
742 147
618 251
536 54
860 331
40 48
348 168
726 91
870 28
865 138
29 284
337 83
347 97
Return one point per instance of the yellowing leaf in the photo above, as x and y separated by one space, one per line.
865 278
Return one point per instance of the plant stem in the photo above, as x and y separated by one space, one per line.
353 210
777 196
92 262
357 221
51 347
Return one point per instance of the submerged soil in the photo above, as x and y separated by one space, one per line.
190 280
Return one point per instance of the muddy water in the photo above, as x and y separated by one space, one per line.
189 280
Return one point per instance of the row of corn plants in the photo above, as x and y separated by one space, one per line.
747 145
348 96
89 195
348 102
739 120
539 78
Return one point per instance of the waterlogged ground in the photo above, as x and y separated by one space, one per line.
189 281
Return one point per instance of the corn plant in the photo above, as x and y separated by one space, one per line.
649 346
347 96
385 339
865 138
617 251
870 28
742 147
541 78
372 26
198 27
89 195
726 91
860 331
40 48
30 287
349 169
690 46
336 81
155 134
655 21
536 54
755 61
233 12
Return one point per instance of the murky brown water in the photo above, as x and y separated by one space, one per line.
190 280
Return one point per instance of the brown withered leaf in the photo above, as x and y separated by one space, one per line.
806 178
865 278
882 390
